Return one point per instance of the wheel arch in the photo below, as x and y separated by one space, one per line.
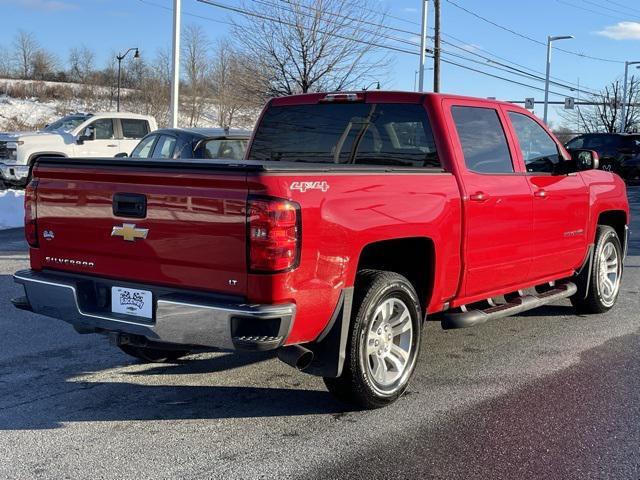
35 156
616 219
411 257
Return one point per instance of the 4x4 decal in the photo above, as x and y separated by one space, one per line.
304 186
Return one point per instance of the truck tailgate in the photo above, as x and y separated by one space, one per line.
194 224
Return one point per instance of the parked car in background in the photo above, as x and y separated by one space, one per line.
78 135
619 152
172 143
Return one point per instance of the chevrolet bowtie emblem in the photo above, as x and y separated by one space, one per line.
129 232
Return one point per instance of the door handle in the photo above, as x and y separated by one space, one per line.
478 197
112 145
542 193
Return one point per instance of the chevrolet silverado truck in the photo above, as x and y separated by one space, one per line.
77 135
352 219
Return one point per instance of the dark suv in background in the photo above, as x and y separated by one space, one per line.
619 152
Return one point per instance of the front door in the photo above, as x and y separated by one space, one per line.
560 201
103 142
497 203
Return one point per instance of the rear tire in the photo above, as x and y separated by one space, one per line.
153 355
384 341
606 274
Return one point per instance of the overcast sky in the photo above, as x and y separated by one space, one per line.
602 28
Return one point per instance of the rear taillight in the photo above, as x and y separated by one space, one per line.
273 235
31 213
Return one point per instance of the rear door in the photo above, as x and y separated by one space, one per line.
497 200
560 202
190 231
133 130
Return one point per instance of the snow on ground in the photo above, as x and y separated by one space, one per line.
29 112
11 209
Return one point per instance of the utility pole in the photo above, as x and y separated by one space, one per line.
623 122
436 47
175 70
423 45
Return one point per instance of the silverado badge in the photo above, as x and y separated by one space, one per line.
129 232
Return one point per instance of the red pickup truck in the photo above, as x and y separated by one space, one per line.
353 218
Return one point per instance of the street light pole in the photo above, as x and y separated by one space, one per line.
623 122
175 66
550 39
423 44
120 58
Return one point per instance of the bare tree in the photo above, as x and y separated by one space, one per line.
81 64
195 64
5 62
312 45
43 65
25 48
228 79
605 113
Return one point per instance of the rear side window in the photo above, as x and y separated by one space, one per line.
539 151
483 140
227 149
576 143
134 128
353 133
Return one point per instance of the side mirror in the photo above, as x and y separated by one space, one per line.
121 155
585 159
88 134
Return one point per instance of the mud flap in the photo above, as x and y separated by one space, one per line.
329 350
583 276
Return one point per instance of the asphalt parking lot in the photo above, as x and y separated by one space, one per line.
545 394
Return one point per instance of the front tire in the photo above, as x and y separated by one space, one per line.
606 274
153 355
384 341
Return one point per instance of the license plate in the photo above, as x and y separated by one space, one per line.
138 303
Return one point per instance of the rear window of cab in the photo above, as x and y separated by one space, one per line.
352 133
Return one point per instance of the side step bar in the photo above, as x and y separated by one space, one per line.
515 305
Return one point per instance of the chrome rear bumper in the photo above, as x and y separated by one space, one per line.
179 318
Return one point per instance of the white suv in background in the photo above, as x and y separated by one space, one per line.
77 135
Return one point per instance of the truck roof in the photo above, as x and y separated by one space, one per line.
379 96
117 115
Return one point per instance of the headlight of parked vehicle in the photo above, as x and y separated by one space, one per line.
12 150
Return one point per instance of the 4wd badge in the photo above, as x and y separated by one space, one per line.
305 186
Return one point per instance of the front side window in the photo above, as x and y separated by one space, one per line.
134 128
164 147
539 151
351 133
227 149
103 129
143 149
483 140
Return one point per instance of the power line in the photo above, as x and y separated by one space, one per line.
599 5
624 6
410 52
527 37
586 9
515 71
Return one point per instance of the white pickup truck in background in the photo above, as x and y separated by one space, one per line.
78 135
